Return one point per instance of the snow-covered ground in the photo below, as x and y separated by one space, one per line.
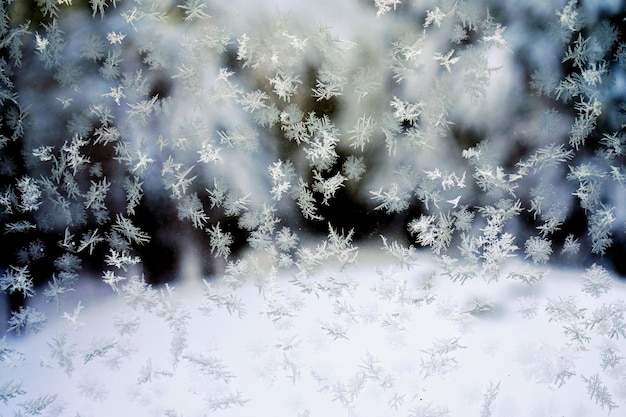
370 340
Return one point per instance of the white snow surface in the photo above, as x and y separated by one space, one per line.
406 342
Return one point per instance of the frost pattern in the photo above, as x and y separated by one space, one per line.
141 140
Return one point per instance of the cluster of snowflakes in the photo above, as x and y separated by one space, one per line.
254 122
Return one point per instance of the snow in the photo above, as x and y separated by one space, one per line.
296 366
374 339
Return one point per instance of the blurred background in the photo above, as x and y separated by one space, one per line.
177 117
